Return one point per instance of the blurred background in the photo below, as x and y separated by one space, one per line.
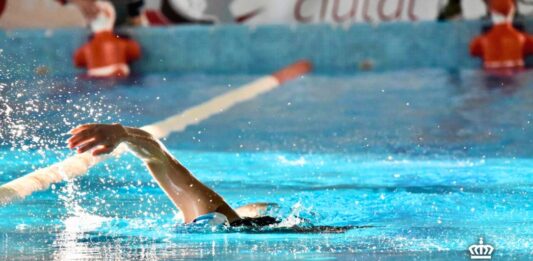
73 13
398 127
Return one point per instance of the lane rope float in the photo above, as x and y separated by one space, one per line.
78 165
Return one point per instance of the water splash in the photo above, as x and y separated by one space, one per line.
76 222
36 117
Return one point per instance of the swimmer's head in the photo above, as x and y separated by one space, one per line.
105 20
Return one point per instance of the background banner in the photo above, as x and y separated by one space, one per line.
302 11
52 13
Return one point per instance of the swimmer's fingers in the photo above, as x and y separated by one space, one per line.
79 142
83 127
102 150
83 137
96 134
87 132
78 129
89 145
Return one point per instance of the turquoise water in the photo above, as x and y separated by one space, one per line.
431 160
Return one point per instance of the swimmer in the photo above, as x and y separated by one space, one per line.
196 201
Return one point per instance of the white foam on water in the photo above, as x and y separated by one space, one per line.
297 162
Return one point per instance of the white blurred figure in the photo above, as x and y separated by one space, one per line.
525 7
474 9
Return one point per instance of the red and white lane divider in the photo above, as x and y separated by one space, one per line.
79 164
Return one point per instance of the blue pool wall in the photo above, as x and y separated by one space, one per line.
262 49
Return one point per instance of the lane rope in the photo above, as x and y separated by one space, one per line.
78 165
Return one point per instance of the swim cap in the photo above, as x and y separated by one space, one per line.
502 7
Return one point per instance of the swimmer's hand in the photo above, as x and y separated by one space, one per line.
104 138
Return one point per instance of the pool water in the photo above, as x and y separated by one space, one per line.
430 160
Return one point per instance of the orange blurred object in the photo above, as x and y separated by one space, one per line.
292 71
503 46
502 7
106 54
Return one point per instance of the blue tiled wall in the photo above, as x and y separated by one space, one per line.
240 49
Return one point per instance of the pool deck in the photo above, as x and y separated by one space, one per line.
243 49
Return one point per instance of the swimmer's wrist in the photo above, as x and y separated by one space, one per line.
122 132
133 135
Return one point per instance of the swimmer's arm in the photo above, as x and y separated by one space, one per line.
186 192
191 196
